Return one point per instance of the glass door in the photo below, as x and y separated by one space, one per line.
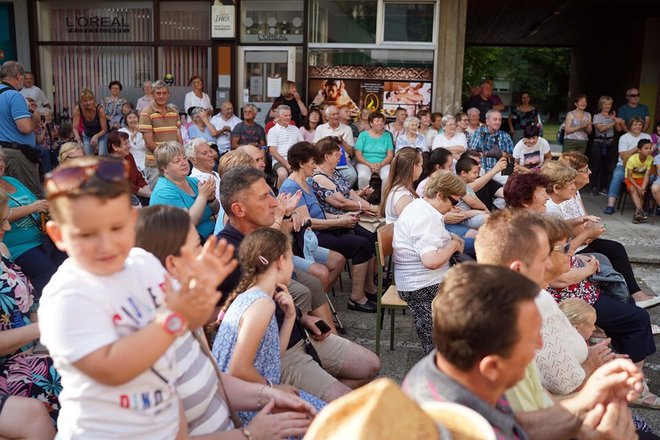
261 73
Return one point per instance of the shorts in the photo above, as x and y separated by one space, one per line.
277 165
307 292
301 371
320 255
629 186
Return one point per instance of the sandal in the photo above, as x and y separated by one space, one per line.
647 399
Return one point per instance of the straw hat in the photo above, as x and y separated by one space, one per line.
377 411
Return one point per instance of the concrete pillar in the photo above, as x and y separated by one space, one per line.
649 78
448 79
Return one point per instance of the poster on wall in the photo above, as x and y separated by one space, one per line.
371 88
412 96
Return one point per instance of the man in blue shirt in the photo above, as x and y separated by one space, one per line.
491 140
17 124
630 109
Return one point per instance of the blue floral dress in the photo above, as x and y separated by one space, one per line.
267 359
24 373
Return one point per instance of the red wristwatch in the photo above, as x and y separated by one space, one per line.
172 322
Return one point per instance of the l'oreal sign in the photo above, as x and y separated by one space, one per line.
97 24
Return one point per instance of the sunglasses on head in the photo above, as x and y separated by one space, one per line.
70 179
563 248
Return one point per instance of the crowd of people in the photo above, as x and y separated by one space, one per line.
191 257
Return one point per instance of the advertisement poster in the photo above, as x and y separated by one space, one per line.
413 96
383 96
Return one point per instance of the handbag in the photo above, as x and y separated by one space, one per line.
460 257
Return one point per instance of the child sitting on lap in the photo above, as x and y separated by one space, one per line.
109 315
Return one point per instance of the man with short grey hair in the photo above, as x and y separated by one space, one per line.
17 124
199 152
494 142
248 131
335 128
224 122
279 140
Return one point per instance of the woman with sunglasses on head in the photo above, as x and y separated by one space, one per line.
26 242
589 239
423 246
627 326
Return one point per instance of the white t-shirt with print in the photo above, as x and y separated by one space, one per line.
531 157
81 313
628 142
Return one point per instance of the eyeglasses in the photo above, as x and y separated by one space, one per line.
633 95
70 179
585 170
453 201
563 248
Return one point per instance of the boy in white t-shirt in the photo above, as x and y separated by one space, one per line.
531 151
109 315
475 211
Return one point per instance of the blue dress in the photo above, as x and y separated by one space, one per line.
267 359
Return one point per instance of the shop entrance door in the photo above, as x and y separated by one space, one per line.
261 73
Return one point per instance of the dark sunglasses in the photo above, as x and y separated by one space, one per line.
453 201
633 95
70 179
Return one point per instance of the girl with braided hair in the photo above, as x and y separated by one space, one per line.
248 344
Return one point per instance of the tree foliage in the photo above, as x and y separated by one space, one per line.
541 71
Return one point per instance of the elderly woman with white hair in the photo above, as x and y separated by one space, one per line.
201 126
200 154
176 188
473 122
411 136
450 139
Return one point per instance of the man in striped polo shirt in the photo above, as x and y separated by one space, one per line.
279 140
159 122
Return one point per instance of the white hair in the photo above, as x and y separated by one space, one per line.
281 109
191 146
473 110
409 120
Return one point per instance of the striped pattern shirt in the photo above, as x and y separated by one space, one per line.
164 126
197 386
282 138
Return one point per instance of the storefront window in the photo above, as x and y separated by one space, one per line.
93 67
409 22
95 22
343 21
267 21
185 20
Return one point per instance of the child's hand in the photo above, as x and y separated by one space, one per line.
283 298
214 263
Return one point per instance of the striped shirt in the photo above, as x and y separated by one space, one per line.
164 126
197 386
282 138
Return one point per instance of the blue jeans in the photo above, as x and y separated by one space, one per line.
461 230
89 150
617 179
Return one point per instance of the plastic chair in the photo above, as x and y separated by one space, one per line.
390 299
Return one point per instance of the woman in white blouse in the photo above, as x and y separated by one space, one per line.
196 97
450 139
399 190
135 138
422 248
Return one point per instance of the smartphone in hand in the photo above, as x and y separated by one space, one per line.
509 167
322 326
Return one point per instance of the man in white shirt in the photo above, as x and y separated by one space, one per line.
224 122
29 90
279 139
335 128
200 154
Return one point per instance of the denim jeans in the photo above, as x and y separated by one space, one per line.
89 150
618 176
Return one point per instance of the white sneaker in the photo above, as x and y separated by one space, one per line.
648 303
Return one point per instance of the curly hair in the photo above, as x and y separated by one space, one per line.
519 188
